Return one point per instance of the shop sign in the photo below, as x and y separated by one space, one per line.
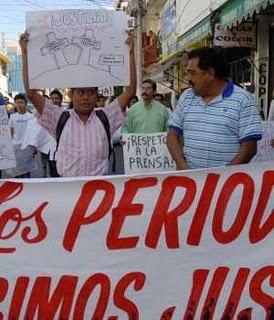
243 35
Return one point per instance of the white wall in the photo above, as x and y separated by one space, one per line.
191 12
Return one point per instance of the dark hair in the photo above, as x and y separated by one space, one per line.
21 96
134 98
210 58
159 95
152 83
58 93
100 96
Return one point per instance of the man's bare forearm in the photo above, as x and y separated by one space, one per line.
174 146
247 151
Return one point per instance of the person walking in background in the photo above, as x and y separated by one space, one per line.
101 101
56 97
215 122
18 125
147 116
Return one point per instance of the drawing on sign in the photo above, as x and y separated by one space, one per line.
70 41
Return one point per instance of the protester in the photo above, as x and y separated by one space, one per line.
147 116
159 97
56 97
101 101
215 122
84 143
18 124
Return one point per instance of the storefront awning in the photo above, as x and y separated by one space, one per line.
236 11
196 37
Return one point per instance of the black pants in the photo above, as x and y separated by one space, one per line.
52 169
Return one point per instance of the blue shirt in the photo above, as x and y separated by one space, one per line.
212 132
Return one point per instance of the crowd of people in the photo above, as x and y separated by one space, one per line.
215 122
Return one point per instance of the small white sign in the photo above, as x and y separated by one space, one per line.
265 151
77 48
146 153
7 156
106 92
243 35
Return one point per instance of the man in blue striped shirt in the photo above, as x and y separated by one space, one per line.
216 122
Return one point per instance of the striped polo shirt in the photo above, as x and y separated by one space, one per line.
212 132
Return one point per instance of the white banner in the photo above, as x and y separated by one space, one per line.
146 153
265 151
7 157
77 48
192 245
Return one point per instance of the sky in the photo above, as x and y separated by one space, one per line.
12 19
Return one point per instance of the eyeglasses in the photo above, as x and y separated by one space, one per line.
90 91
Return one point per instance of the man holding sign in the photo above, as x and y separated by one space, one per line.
83 147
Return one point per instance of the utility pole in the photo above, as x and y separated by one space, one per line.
136 9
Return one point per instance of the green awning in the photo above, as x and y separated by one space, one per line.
194 36
236 11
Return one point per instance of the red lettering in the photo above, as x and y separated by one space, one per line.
236 293
214 291
163 217
256 292
229 187
198 283
168 313
258 232
79 218
97 279
10 190
42 228
4 286
18 296
125 208
200 215
119 298
41 302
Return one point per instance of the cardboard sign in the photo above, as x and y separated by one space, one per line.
7 156
77 48
146 153
191 245
265 151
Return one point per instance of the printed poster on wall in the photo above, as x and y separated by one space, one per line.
77 48
146 153
196 244
7 156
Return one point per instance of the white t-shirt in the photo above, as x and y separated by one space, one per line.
38 137
19 124
271 111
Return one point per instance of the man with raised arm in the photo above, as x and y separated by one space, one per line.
84 143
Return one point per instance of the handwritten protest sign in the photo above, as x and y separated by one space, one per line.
77 48
146 153
7 157
25 161
107 91
191 245
265 151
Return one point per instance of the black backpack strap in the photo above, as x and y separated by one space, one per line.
60 126
104 119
